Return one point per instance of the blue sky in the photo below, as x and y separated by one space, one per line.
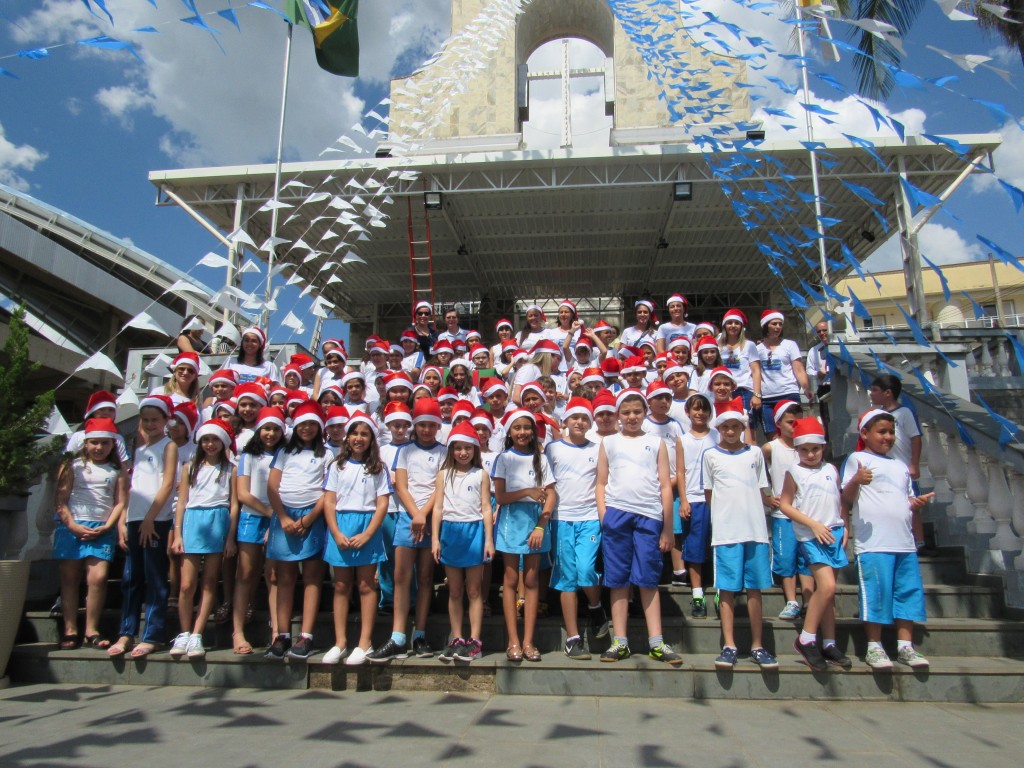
81 128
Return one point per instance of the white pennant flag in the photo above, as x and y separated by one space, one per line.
229 332
271 205
56 425
99 362
270 243
127 404
159 366
249 266
144 322
213 260
294 280
319 311
291 321
240 236
334 279
187 287
351 258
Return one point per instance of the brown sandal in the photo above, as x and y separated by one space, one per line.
121 647
530 653
142 650
514 652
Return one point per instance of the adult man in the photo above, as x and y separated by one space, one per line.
818 371
452 331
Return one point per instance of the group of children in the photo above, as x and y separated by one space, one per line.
626 472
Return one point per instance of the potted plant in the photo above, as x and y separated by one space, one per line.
24 450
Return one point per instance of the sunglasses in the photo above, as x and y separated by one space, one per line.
424 313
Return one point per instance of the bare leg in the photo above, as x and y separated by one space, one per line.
904 630
189 581
569 608
425 587
211 570
821 600
404 559
650 600
756 617
789 588
531 580
367 578
312 579
70 586
342 590
248 568
806 587
270 574
287 574
620 610
474 591
727 613
96 583
455 594
508 597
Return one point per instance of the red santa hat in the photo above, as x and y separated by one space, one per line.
782 407
422 305
634 365
593 376
396 411
293 369
188 359
656 389
434 368
463 433
340 352
611 368
729 410
537 307
302 360
771 314
462 408
722 371
808 431
361 418
492 385
547 346
397 379
447 394
353 376
623 394
336 414
705 342
187 415
503 323
734 314
227 375
482 418
221 430
517 413
442 345
604 401
100 399
533 386
569 305
100 429
301 396
578 406
228 404
252 391
161 402
677 298
705 326
308 411
270 414
427 410
259 333
679 341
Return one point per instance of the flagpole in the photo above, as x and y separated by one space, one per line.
265 322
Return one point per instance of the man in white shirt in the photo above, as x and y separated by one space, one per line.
452 331
818 372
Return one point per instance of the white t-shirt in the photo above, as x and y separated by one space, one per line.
248 373
497 440
487 459
777 377
147 477
421 466
783 457
531 338
817 362
389 455
575 470
669 331
527 372
557 335
257 469
907 429
413 362
738 361
212 487
302 476
693 456
92 494
671 432
516 469
632 336
327 378
817 496
881 517
633 484
356 490
459 335
737 508
462 496
701 382
77 441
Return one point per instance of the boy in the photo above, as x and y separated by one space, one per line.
354 385
787 562
658 422
696 526
810 498
736 489
634 371
877 489
606 420
496 394
398 421
721 388
577 530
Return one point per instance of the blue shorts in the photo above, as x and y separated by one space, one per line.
741 566
816 553
462 544
67 546
291 549
351 524
697 533
768 411
575 545
403 533
677 521
516 522
629 543
252 529
204 530
787 559
890 587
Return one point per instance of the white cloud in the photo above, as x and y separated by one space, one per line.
851 118
121 100
941 244
15 160
1008 160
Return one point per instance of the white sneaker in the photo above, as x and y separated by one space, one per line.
334 655
357 657
180 645
195 647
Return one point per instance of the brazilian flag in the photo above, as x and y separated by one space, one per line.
335 34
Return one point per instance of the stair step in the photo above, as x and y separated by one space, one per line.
975 679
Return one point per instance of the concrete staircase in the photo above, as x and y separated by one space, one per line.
975 645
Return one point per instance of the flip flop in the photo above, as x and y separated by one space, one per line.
97 641
70 642
244 648
142 650
120 648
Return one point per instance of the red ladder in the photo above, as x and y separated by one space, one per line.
421 267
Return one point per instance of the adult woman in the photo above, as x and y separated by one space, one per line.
739 355
677 324
644 326
422 326
533 329
568 327
250 364
183 386
190 338
783 376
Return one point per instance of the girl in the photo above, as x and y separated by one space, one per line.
740 356
463 537
677 325
332 372
504 330
696 526
145 530
356 495
413 358
354 384
783 376
541 363
460 378
91 494
398 421
678 380
709 357
250 364
335 423
183 386
432 376
679 349
644 327
331 395
254 518
204 530
295 490
442 352
524 489
222 384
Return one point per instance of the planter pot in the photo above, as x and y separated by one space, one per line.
13 583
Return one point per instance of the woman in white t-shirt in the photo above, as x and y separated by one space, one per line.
783 376
250 363
739 355
644 327
676 326
533 329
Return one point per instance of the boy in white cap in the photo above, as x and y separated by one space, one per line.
736 489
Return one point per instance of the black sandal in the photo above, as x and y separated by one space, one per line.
98 641
70 642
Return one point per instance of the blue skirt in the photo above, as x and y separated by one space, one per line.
515 524
403 533
205 530
291 549
252 529
67 546
351 524
462 544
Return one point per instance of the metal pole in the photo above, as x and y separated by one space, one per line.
995 285
912 272
234 248
265 320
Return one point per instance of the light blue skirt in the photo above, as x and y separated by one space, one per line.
462 544
351 524
205 530
67 546
515 524
252 529
291 549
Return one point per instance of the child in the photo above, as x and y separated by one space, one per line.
356 399
678 380
101 405
145 531
496 394
810 498
787 561
297 533
709 357
356 495
398 421
91 494
463 538
736 489
524 489
634 502
658 422
204 530
577 533
254 516
181 429
335 423
222 384
877 489
696 526
332 372
416 470
606 420
722 390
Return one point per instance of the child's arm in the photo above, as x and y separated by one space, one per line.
243 491
289 526
435 520
684 505
316 386
851 490
120 505
360 539
602 481
65 482
485 509
331 502
665 542
801 378
821 533
766 451
536 538
234 509
147 530
915 457
177 542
